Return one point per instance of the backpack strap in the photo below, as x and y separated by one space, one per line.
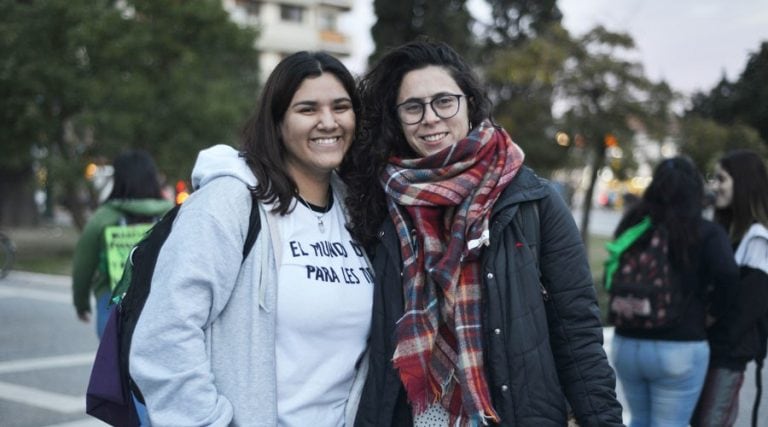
254 226
618 246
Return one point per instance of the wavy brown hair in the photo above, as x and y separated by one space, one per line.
381 134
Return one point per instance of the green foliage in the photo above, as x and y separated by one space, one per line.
85 79
731 115
705 140
401 21
516 21
521 83
523 50
607 94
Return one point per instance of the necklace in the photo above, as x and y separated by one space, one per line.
314 209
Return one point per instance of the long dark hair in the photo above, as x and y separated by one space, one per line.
381 134
750 193
263 147
674 200
135 177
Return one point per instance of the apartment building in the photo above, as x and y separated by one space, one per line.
287 26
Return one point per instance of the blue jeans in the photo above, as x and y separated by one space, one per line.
103 307
661 380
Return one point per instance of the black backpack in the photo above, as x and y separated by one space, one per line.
645 291
110 386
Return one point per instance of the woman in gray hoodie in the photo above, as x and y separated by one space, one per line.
277 338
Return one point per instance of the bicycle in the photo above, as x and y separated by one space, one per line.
7 255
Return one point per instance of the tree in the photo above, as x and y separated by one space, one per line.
524 47
737 104
608 100
401 21
705 140
522 82
515 21
83 79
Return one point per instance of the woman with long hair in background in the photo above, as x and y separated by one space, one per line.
739 336
662 370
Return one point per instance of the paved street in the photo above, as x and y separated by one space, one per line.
46 356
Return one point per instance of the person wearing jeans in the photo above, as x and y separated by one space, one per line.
662 368
661 379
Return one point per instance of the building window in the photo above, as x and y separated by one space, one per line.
291 13
252 7
327 21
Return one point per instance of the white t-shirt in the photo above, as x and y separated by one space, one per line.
324 300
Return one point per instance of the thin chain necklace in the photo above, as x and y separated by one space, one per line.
312 209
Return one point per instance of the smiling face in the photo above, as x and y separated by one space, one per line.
722 186
432 133
317 128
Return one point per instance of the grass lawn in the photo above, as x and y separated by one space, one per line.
46 249
597 256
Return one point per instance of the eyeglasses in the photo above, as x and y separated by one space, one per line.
445 106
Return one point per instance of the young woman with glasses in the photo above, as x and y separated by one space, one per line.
475 321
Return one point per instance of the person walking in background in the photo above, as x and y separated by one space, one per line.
475 320
136 197
738 336
277 338
662 369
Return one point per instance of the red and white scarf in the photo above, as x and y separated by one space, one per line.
447 199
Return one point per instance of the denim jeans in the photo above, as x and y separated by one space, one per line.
661 380
103 307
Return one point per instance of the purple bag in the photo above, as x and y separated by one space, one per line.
109 397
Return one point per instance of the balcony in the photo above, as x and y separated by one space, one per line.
334 42
344 5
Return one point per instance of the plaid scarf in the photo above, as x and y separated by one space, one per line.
447 197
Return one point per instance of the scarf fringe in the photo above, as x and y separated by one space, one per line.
447 197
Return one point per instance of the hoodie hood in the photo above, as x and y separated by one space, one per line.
217 161
141 207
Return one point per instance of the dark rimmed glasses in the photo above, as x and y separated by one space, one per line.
444 105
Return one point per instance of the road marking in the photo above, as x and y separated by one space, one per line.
42 399
48 296
87 422
63 361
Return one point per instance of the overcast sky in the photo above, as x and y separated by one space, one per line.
689 43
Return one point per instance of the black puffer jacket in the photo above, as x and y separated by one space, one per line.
543 338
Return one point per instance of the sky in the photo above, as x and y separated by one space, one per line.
688 43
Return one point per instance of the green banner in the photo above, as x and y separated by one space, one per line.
120 239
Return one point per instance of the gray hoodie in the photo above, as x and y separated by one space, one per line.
203 352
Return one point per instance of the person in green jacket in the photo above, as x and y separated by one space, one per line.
136 197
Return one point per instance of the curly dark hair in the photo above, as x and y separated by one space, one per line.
262 145
675 200
381 134
750 193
